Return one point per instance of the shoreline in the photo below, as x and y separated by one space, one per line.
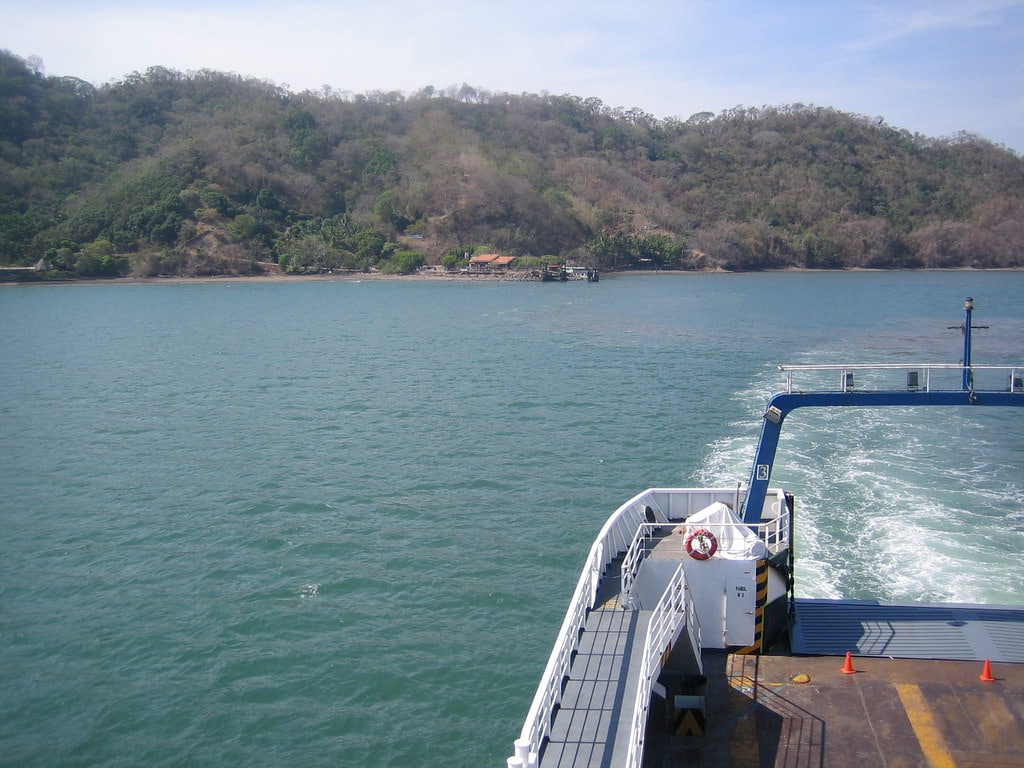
511 277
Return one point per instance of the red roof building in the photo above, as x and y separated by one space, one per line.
490 260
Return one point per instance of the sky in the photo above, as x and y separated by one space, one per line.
934 67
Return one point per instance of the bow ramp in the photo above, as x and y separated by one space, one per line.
633 629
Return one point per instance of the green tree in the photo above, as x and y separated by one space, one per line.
98 259
309 255
162 164
403 262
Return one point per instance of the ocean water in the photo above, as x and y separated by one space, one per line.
336 523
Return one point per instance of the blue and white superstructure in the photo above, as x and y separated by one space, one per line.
686 608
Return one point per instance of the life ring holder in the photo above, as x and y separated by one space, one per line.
701 544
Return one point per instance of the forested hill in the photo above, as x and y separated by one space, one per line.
211 173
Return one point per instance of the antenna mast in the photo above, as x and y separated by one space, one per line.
967 384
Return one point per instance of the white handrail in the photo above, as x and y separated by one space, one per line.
537 726
894 367
666 619
924 370
879 367
615 536
631 564
538 722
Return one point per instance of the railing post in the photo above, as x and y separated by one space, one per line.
522 755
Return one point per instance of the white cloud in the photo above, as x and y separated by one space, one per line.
892 22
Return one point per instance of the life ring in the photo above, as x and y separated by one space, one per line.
701 544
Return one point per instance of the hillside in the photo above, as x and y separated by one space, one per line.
201 173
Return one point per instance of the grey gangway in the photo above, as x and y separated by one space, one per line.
591 707
592 722
601 719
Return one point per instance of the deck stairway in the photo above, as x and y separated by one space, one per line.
632 620
591 725
602 715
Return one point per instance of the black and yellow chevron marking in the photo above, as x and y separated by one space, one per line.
760 600
690 722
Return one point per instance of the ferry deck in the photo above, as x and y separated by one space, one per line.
915 697
806 712
851 684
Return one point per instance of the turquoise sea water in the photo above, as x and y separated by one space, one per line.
337 523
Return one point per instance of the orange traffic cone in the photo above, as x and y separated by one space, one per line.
986 673
848 666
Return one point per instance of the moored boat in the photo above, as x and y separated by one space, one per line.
684 642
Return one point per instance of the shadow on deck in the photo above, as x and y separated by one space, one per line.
773 711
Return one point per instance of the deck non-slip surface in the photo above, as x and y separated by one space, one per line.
598 698
864 628
890 713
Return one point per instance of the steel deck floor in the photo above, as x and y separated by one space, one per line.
599 696
867 628
804 712
597 701
914 701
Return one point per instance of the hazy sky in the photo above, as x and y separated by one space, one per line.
934 67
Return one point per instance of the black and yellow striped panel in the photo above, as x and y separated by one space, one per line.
760 600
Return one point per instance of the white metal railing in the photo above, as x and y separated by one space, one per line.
614 538
631 562
549 693
672 611
919 377
774 532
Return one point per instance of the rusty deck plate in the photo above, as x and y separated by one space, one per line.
805 712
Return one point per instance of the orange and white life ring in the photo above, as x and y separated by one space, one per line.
701 544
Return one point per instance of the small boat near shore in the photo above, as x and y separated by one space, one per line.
560 273
685 644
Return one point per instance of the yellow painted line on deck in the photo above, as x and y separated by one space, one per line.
927 730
